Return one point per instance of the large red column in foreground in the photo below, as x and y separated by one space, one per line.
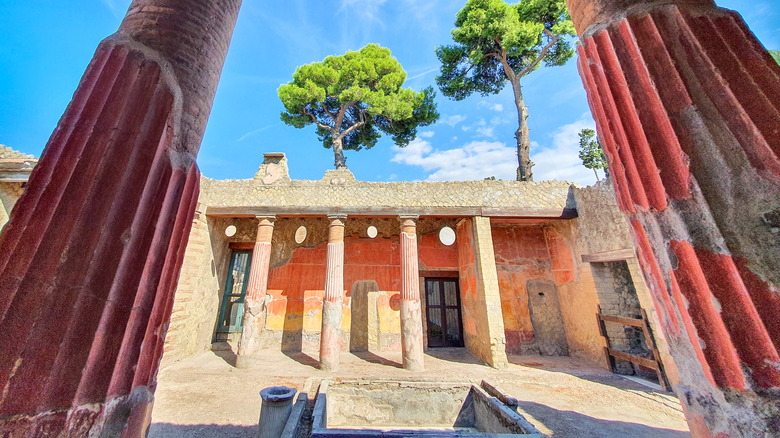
91 255
687 104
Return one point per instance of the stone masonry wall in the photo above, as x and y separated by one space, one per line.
9 194
483 324
603 227
197 299
576 290
339 189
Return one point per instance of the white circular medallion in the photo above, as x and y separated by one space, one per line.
447 236
371 231
230 231
300 234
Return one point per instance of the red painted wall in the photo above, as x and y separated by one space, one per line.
468 280
297 287
521 255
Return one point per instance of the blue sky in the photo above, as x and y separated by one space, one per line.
46 45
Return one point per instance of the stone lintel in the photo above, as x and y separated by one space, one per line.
609 256
522 212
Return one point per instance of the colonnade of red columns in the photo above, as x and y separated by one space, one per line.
330 335
687 105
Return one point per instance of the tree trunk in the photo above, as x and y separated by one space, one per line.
338 151
597 174
524 163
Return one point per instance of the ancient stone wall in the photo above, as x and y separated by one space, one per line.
199 292
603 228
575 289
339 190
9 194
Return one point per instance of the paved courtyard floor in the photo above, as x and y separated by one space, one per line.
206 396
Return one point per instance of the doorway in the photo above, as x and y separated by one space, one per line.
442 304
232 311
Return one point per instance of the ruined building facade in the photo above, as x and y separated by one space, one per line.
501 268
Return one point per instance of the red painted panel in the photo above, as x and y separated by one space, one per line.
521 254
433 254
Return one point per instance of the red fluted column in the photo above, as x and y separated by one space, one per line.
411 317
687 105
330 337
91 255
254 303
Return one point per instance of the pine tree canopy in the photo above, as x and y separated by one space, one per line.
354 98
491 35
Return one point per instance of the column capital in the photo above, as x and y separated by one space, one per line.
336 228
409 224
265 228
585 13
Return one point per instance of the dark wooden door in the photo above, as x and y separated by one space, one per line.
232 312
442 302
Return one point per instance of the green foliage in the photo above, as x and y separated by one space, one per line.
775 54
354 98
496 41
591 153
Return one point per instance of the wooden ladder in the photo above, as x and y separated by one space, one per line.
654 364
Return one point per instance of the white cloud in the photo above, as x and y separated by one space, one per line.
367 9
426 134
491 106
419 75
250 133
486 131
473 161
561 161
452 120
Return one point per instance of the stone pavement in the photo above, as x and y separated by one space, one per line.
205 396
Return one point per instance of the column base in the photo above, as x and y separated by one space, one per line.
411 335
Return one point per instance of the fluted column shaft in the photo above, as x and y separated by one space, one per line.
687 105
330 337
91 254
411 316
254 302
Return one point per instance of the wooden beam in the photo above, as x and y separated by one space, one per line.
609 256
621 320
639 360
